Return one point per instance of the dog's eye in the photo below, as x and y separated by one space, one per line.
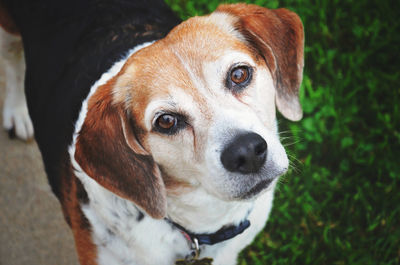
239 77
166 121
169 123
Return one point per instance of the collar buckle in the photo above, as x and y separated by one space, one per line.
195 249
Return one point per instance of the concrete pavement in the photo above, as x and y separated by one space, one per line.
32 228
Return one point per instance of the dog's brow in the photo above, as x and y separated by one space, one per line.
171 103
167 103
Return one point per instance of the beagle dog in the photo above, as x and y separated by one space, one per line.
159 137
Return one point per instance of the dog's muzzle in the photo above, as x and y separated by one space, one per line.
245 154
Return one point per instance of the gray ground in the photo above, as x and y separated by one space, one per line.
32 228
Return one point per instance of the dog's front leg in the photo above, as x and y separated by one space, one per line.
15 112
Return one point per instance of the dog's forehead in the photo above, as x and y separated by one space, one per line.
205 38
178 62
193 43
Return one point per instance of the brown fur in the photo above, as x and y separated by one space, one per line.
87 251
73 194
105 154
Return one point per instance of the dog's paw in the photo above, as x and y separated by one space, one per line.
16 120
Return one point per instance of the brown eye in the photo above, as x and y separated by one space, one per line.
238 77
169 123
239 74
166 121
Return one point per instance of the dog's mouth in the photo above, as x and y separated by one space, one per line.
262 185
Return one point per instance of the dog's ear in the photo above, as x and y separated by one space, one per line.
108 150
278 36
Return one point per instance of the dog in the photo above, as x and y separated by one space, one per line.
159 137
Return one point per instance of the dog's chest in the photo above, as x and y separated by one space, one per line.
123 235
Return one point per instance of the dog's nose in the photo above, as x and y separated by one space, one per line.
245 154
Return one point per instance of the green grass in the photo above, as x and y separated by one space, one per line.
340 202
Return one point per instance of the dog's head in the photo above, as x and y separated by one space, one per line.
197 109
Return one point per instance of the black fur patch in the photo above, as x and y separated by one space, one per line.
81 193
140 216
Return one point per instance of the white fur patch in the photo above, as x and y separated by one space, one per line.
226 22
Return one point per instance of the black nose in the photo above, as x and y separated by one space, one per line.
245 154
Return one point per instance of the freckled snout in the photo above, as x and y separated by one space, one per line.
246 154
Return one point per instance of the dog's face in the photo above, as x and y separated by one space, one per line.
206 105
197 108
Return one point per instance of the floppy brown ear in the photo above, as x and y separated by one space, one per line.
278 36
107 149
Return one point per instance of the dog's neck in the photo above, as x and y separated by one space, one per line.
193 212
